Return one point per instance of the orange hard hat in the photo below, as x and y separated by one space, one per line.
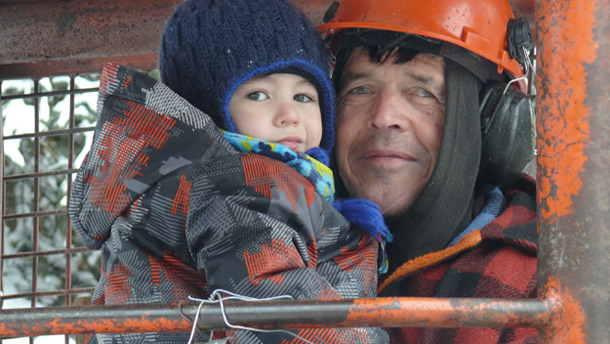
478 26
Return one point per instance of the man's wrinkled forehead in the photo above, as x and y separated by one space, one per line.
360 65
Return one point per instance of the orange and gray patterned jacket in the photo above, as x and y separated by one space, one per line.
178 212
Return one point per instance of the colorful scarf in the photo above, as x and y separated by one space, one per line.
318 174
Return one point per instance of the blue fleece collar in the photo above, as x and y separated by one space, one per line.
494 203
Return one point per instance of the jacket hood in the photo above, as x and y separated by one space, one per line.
446 205
144 132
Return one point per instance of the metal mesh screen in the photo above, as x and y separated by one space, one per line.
47 126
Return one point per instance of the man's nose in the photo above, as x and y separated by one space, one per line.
389 112
286 115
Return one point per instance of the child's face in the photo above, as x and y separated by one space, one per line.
282 108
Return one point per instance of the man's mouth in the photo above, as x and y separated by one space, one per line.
373 154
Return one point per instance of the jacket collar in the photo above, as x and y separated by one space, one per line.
502 229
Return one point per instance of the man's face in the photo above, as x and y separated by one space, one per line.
389 127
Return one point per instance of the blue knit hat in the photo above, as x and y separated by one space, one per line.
211 47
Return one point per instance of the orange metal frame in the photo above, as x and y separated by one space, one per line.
573 39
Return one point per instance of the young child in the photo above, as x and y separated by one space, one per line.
182 209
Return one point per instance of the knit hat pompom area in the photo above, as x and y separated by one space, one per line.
211 47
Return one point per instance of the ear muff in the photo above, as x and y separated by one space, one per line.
507 134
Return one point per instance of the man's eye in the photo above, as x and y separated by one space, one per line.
258 96
303 98
423 93
358 90
429 96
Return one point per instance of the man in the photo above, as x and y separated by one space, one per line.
429 129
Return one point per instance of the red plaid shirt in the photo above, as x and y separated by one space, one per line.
497 261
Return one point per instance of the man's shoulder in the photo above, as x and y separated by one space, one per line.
506 257
522 192
516 224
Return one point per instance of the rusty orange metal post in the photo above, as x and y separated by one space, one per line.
574 154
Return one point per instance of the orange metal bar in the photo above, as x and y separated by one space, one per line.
573 160
39 38
386 312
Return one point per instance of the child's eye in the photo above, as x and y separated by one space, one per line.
303 98
258 96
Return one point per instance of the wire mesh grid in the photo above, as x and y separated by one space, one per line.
47 126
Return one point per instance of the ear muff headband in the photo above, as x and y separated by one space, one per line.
507 134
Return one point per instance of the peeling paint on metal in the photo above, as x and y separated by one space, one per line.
567 319
562 105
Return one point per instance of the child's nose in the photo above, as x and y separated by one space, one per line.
286 115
